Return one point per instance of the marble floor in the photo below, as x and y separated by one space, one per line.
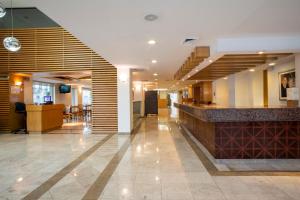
156 162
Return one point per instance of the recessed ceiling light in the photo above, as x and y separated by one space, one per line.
210 61
155 74
154 61
251 70
261 52
272 64
225 78
151 42
151 17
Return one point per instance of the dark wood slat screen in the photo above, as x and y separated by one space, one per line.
55 49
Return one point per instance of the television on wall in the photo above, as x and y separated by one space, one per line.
64 88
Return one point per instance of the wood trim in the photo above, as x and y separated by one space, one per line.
55 49
196 57
266 89
234 63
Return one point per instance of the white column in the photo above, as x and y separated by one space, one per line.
297 68
231 90
125 121
139 95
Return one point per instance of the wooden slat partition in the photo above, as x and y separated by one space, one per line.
55 49
4 106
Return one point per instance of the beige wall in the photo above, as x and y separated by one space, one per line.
220 92
244 89
28 95
67 98
248 87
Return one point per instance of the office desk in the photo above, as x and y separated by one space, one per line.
43 118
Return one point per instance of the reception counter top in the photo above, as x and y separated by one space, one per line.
244 133
43 118
212 113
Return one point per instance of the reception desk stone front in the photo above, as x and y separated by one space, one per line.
244 133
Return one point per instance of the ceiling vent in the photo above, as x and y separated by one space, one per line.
189 41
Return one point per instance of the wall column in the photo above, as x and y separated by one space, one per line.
231 90
297 68
125 119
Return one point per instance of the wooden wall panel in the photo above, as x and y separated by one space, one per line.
4 106
55 49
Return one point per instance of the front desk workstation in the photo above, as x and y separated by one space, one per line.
44 118
244 133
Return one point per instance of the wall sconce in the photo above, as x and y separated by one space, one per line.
18 83
123 78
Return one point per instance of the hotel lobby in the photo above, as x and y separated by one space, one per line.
142 100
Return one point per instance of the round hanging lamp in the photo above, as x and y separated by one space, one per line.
11 43
2 11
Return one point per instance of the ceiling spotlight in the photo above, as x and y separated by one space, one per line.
272 64
151 17
155 74
151 42
251 70
2 11
225 78
210 61
154 61
261 52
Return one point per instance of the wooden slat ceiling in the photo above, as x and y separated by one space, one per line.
196 57
233 63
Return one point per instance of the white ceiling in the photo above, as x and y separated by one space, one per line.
116 29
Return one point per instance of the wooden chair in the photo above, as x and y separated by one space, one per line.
74 112
67 114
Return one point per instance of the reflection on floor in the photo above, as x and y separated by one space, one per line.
157 163
74 127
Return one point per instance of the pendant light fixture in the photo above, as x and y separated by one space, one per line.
2 10
11 43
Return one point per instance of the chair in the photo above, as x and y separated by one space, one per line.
67 114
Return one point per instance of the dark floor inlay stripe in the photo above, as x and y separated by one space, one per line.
98 186
43 188
211 168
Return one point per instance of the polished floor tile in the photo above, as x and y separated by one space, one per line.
155 163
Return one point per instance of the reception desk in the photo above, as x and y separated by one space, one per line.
43 118
244 133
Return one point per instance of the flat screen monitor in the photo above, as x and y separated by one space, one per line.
47 99
64 88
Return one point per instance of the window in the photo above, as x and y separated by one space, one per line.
74 97
86 96
40 90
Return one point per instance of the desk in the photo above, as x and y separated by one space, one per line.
43 118
244 133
